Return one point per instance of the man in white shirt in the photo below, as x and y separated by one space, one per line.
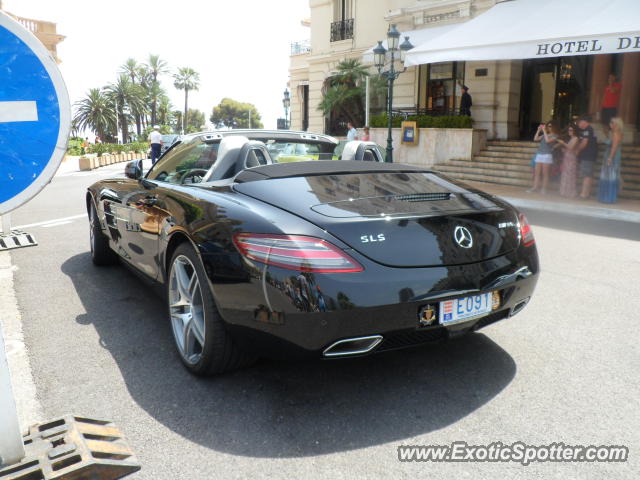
352 133
155 139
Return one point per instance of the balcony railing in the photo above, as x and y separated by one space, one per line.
303 46
35 26
342 30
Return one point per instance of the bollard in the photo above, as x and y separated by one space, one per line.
11 447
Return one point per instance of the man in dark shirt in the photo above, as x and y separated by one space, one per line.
465 102
587 154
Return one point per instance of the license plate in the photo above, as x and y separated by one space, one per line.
459 309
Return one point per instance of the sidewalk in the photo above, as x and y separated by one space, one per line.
626 210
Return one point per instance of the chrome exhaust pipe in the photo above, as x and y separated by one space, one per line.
352 346
519 306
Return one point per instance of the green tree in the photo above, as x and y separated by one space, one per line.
165 110
344 92
186 79
176 121
195 120
155 67
132 69
96 113
128 100
233 114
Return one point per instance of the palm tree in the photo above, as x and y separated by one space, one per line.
128 99
344 93
186 79
96 113
130 68
155 67
165 110
134 70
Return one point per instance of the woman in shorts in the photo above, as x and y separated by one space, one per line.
547 136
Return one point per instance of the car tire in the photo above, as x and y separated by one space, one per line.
203 343
101 253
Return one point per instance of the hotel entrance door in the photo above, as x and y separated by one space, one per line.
538 94
553 88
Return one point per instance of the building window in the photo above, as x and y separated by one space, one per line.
441 87
342 25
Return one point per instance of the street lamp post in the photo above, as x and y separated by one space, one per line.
383 57
286 103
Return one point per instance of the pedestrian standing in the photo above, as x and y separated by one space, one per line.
155 139
465 102
610 100
610 172
366 137
569 168
547 136
352 133
587 154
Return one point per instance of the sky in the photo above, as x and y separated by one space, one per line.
240 47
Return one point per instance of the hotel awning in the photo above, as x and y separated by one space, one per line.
416 37
517 29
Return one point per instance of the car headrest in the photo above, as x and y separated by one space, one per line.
228 154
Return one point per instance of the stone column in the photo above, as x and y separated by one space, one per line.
599 77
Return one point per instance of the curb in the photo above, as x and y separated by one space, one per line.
576 210
24 388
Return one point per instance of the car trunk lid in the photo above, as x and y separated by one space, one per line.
401 219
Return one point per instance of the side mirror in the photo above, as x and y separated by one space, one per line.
133 169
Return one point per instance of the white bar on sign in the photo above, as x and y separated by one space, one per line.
18 111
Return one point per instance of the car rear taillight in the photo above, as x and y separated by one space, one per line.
295 252
526 234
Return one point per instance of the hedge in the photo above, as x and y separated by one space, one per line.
424 121
102 148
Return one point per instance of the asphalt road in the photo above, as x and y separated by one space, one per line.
563 370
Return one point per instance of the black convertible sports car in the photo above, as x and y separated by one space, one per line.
263 255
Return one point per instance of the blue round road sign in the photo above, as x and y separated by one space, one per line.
34 115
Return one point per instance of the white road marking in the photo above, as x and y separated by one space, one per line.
18 111
51 223
56 224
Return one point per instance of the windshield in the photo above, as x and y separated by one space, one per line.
299 151
191 159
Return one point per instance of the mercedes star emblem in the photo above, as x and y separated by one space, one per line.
463 237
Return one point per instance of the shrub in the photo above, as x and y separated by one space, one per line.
424 121
138 147
100 148
74 147
117 148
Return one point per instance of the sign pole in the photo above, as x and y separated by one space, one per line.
6 224
11 446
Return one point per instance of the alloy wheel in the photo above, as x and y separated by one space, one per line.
186 309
